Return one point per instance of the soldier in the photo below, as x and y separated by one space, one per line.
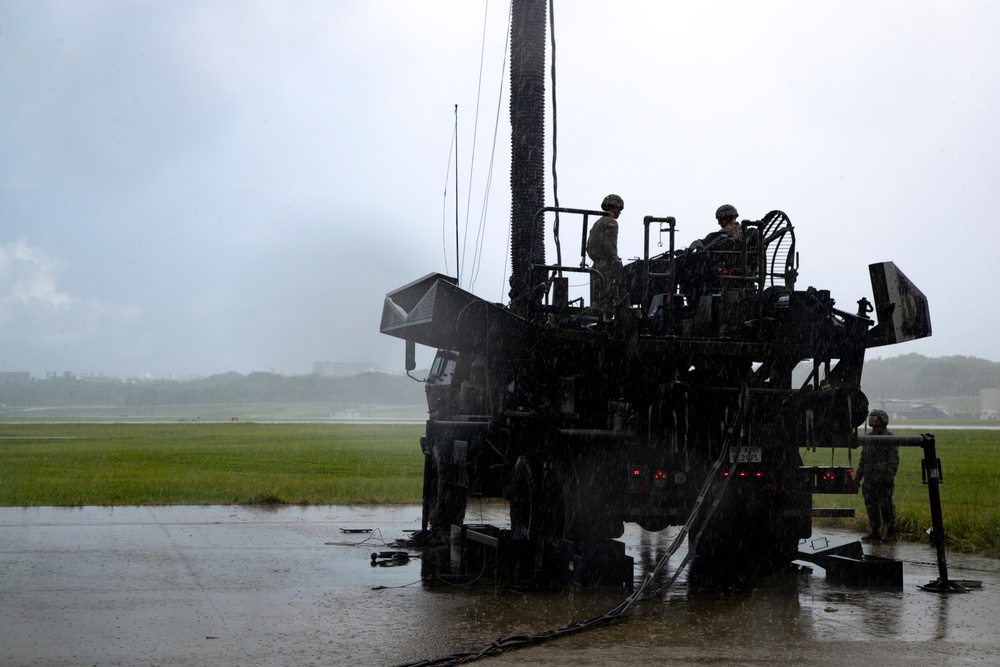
878 467
602 248
729 228
726 216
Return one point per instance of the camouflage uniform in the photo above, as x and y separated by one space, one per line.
733 229
877 469
729 227
602 248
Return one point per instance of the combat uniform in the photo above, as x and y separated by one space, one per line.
602 248
877 472
730 230
733 229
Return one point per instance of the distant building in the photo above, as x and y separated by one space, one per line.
100 377
989 403
900 409
343 368
15 377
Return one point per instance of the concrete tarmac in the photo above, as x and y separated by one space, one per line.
243 586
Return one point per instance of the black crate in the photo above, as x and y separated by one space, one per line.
867 571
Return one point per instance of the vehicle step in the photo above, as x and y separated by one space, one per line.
833 511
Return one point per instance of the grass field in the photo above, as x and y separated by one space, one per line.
208 464
249 463
970 491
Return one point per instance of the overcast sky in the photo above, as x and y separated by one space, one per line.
211 186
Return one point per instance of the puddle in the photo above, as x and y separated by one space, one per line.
286 586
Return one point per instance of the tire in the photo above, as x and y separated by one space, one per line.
524 501
752 542
444 500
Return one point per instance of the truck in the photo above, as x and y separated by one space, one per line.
585 419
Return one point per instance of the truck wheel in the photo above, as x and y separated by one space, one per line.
446 502
538 507
757 542
524 510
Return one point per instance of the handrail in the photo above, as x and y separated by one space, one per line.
586 213
774 249
671 223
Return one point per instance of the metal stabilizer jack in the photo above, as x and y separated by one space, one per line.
932 477
950 586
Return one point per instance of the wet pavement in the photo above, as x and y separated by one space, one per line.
253 586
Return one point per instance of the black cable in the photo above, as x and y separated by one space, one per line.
362 543
555 125
477 260
475 134
444 201
505 644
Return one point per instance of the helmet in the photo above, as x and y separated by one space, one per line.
612 200
726 211
881 414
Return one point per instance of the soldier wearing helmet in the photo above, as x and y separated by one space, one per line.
729 229
881 420
877 468
726 216
602 248
613 201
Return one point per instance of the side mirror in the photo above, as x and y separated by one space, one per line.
411 355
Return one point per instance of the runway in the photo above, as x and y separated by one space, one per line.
286 586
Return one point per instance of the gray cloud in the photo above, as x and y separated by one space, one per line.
193 188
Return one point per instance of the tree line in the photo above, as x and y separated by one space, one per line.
908 377
362 389
916 377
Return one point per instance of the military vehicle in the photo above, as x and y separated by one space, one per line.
584 418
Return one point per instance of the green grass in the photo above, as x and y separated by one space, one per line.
208 464
970 492
334 464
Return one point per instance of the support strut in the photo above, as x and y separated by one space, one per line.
932 477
